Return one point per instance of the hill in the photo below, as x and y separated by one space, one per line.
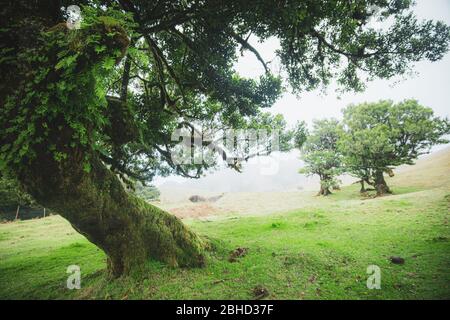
426 173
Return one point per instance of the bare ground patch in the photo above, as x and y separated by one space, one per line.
195 211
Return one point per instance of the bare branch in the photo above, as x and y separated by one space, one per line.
244 43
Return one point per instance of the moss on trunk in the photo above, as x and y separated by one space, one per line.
129 230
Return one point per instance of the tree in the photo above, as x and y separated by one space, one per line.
11 195
382 135
82 109
321 156
148 193
299 134
12 198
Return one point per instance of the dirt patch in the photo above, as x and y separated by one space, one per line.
260 292
195 211
237 253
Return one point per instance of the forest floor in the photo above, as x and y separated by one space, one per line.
320 250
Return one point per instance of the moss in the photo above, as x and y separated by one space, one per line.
52 147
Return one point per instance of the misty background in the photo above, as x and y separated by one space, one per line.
430 85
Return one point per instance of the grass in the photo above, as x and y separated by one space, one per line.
320 251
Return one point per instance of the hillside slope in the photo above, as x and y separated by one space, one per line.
431 171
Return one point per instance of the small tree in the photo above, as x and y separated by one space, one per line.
321 156
299 134
11 195
380 136
148 193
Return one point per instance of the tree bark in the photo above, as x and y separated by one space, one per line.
129 230
363 188
324 189
17 212
380 184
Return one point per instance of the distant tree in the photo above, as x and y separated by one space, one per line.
299 135
83 108
11 195
382 135
321 156
148 193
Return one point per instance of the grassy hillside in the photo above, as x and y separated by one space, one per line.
320 251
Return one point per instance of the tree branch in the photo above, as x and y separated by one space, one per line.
246 45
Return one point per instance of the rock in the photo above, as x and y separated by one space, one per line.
237 253
260 292
196 198
397 260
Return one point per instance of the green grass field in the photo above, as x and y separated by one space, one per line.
318 252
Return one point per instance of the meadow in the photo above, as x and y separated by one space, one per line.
319 251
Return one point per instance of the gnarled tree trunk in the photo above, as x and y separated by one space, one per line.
324 191
363 188
324 188
128 229
380 184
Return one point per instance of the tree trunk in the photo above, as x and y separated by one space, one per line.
363 188
324 189
380 184
324 185
129 230
17 212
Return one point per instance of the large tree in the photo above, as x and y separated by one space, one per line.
82 109
382 135
321 156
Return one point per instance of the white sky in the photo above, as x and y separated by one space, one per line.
431 86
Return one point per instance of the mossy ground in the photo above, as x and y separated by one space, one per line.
318 252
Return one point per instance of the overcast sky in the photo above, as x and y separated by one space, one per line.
431 87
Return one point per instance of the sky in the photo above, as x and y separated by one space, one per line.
430 86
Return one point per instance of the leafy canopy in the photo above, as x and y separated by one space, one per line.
320 152
176 71
379 136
